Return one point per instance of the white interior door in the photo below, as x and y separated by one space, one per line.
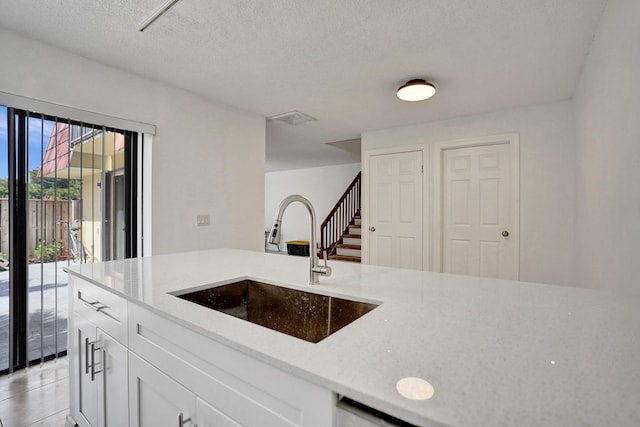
478 212
395 210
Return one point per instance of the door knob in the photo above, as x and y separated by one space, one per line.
372 229
505 233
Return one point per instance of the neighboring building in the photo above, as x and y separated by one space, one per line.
93 156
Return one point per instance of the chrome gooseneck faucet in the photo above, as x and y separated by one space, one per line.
315 269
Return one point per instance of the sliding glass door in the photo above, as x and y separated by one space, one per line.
5 328
67 196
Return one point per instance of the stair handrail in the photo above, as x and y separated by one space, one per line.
339 218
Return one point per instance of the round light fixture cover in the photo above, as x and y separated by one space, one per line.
416 90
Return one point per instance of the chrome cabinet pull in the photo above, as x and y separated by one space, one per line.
182 421
95 305
86 355
93 360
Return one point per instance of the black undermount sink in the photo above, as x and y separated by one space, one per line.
311 317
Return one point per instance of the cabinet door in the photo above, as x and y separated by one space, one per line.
87 390
208 416
155 400
352 414
113 385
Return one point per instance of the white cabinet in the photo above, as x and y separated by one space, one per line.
229 387
208 416
86 408
112 382
97 361
100 377
354 414
155 399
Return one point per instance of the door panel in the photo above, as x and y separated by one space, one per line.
87 389
396 223
383 202
208 416
460 202
406 251
489 205
155 400
459 258
115 216
112 382
477 207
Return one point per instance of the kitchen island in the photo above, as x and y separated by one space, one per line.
496 352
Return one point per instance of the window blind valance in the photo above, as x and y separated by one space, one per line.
63 111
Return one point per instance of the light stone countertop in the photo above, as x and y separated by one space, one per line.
498 353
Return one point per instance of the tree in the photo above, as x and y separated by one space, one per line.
51 188
4 188
46 188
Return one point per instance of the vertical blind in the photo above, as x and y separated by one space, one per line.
70 198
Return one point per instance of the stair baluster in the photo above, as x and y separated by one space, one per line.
337 222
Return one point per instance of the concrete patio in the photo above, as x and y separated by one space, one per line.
47 284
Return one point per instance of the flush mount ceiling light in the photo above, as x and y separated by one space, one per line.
416 90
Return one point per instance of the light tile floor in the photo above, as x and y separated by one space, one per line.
37 396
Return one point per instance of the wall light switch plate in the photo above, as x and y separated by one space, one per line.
202 220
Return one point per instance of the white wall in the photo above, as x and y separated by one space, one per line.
547 153
207 158
607 105
322 186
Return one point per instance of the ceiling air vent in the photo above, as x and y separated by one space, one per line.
292 118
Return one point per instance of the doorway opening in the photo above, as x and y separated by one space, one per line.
67 196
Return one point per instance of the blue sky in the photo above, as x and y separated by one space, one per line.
36 129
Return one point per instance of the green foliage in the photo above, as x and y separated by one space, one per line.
50 188
48 252
4 188
46 188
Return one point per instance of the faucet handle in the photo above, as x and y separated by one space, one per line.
324 270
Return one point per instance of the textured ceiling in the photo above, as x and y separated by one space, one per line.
339 61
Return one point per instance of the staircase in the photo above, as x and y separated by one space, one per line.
350 248
340 233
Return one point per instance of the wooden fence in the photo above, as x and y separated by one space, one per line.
42 222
